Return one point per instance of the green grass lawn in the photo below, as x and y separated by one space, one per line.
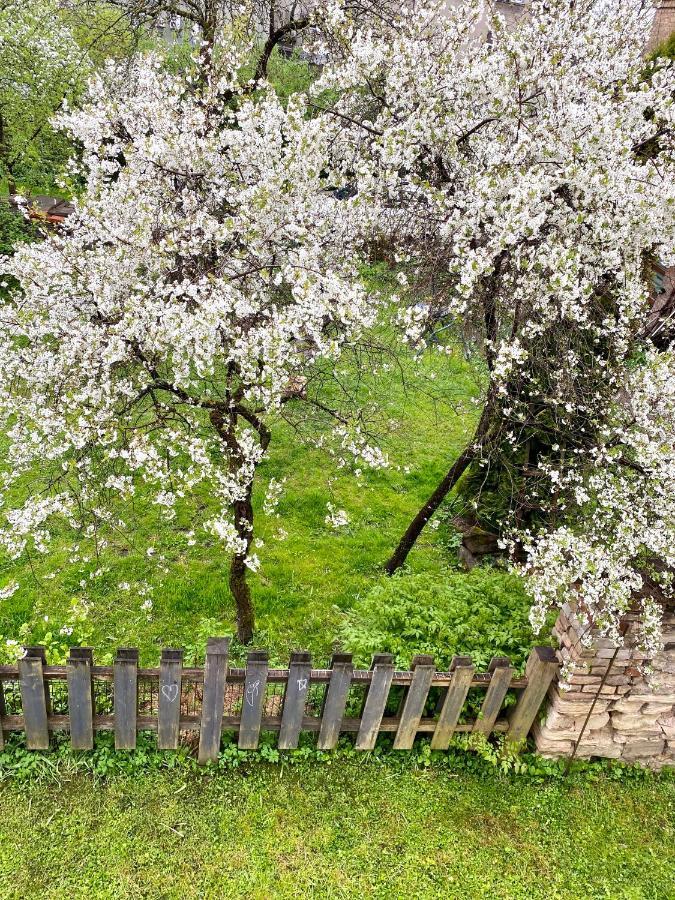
344 830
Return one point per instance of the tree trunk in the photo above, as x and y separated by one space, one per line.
242 598
243 522
242 509
446 484
415 528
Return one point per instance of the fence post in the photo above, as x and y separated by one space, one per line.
335 700
125 700
501 670
462 672
81 698
3 713
33 698
40 651
255 691
382 668
295 697
541 669
423 670
168 705
213 700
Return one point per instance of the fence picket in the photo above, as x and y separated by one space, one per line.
168 704
33 699
215 676
295 697
125 697
3 713
81 697
462 669
541 669
39 651
423 672
255 692
335 701
377 695
501 671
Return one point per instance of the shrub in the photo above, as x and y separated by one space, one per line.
483 613
13 228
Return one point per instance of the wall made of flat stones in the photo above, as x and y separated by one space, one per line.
633 718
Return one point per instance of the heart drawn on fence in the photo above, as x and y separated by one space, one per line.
170 692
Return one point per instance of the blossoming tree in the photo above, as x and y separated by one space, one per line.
270 23
205 270
524 181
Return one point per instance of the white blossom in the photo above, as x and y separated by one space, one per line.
9 590
336 518
519 178
624 518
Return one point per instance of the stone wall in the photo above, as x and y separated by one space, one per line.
633 718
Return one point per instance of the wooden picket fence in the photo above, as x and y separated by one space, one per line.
82 698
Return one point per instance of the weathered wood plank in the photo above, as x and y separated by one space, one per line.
335 701
541 669
168 707
378 659
255 691
39 651
382 668
81 698
33 699
213 702
295 696
125 697
463 670
269 723
501 670
275 676
413 708
3 713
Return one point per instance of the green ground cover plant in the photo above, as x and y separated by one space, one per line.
483 613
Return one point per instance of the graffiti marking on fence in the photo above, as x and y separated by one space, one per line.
170 692
252 692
